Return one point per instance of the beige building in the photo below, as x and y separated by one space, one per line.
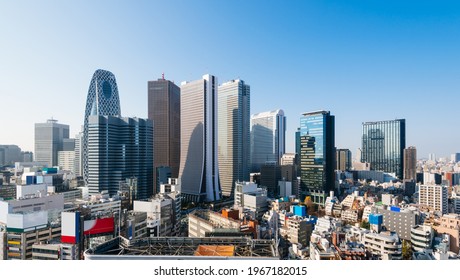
450 224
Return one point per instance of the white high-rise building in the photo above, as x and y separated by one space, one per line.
434 196
199 172
268 138
79 154
234 138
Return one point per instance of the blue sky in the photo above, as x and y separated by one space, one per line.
362 60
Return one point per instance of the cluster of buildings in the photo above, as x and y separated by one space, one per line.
202 177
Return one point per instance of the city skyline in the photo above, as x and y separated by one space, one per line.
360 61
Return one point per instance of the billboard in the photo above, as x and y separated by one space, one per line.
99 226
70 227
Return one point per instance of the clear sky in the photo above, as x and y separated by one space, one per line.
361 60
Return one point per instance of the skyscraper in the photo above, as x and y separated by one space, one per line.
199 172
343 159
234 137
164 111
317 155
268 138
410 163
79 154
120 148
383 143
49 140
102 100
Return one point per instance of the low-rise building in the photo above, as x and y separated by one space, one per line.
422 238
385 245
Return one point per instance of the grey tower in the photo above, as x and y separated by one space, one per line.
199 171
234 138
49 140
102 100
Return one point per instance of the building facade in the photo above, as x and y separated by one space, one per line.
435 197
317 155
410 163
268 138
120 148
383 143
164 111
49 140
199 171
102 100
234 135
343 159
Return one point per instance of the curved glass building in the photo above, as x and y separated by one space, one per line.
102 100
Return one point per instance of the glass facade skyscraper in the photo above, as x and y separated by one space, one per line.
268 138
120 148
317 155
234 138
383 145
102 100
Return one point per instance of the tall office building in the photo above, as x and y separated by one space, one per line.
410 163
455 157
233 106
383 143
317 155
79 154
49 140
102 100
268 138
9 154
199 171
343 159
120 148
164 111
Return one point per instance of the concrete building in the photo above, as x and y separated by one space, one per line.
435 197
299 230
268 138
201 223
343 159
160 215
234 134
49 140
422 237
66 161
164 110
450 224
251 199
385 245
199 170
410 163
399 220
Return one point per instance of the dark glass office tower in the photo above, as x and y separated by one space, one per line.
317 155
164 111
383 144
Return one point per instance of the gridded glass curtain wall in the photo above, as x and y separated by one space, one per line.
120 148
383 145
317 155
102 100
234 138
49 140
268 138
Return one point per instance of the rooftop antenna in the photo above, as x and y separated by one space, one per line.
163 75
